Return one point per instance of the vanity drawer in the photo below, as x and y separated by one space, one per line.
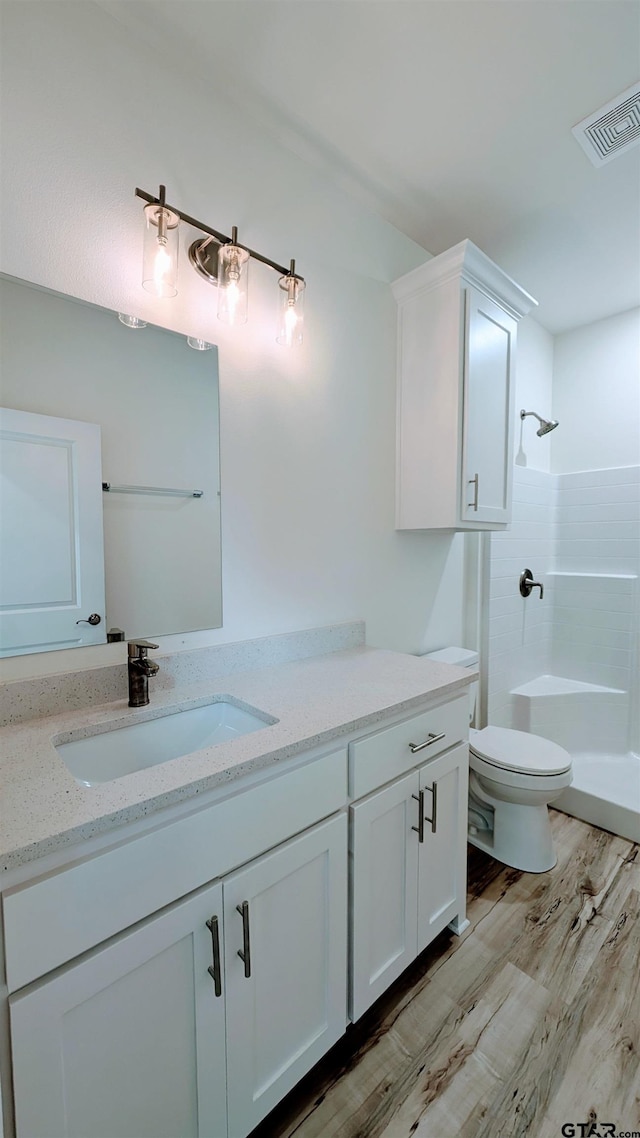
386 755
50 921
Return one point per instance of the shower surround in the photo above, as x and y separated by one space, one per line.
567 668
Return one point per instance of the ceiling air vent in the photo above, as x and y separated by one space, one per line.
613 129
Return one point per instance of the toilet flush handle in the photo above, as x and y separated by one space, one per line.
527 583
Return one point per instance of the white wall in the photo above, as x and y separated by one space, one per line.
596 395
307 439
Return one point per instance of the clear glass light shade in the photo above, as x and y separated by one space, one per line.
291 314
199 345
233 282
160 255
131 321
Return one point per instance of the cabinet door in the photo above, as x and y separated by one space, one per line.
384 873
487 451
442 858
129 1041
286 913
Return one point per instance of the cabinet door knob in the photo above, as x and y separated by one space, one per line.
419 829
245 952
215 970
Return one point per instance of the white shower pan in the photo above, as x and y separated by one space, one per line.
589 721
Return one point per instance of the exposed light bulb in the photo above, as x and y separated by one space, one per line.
162 266
290 321
233 298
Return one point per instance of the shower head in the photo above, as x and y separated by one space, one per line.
546 425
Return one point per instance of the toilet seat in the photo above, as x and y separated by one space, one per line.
517 752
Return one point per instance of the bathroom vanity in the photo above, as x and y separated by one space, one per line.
182 944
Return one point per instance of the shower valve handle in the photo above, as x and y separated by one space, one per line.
527 583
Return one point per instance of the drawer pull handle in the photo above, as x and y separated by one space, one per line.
419 829
474 482
432 738
215 971
245 952
434 807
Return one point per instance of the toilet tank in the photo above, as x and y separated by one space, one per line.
463 658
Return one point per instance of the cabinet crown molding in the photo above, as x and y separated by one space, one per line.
468 263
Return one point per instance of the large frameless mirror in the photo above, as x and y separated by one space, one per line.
110 477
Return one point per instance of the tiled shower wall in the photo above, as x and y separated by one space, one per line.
519 629
579 533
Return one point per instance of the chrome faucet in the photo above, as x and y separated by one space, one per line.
140 668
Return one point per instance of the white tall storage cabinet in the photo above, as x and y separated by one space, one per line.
457 324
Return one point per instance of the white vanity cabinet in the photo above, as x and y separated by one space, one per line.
457 324
135 1039
178 976
408 848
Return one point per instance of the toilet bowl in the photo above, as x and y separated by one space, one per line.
513 776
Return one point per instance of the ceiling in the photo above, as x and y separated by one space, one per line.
449 118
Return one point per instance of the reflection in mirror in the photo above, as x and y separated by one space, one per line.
150 404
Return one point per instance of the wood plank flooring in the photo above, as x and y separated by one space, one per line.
528 1021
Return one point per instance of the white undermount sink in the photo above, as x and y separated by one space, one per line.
113 752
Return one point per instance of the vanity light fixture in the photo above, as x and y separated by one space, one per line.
220 260
199 345
131 321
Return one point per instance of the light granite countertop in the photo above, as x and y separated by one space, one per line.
313 701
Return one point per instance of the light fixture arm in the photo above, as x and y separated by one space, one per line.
221 238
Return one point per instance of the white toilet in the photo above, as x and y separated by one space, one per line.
513 776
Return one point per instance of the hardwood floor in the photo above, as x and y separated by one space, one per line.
529 1021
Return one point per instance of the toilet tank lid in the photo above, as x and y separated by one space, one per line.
463 657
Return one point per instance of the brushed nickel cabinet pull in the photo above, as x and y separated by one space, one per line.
245 953
215 970
474 482
434 807
419 829
431 738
